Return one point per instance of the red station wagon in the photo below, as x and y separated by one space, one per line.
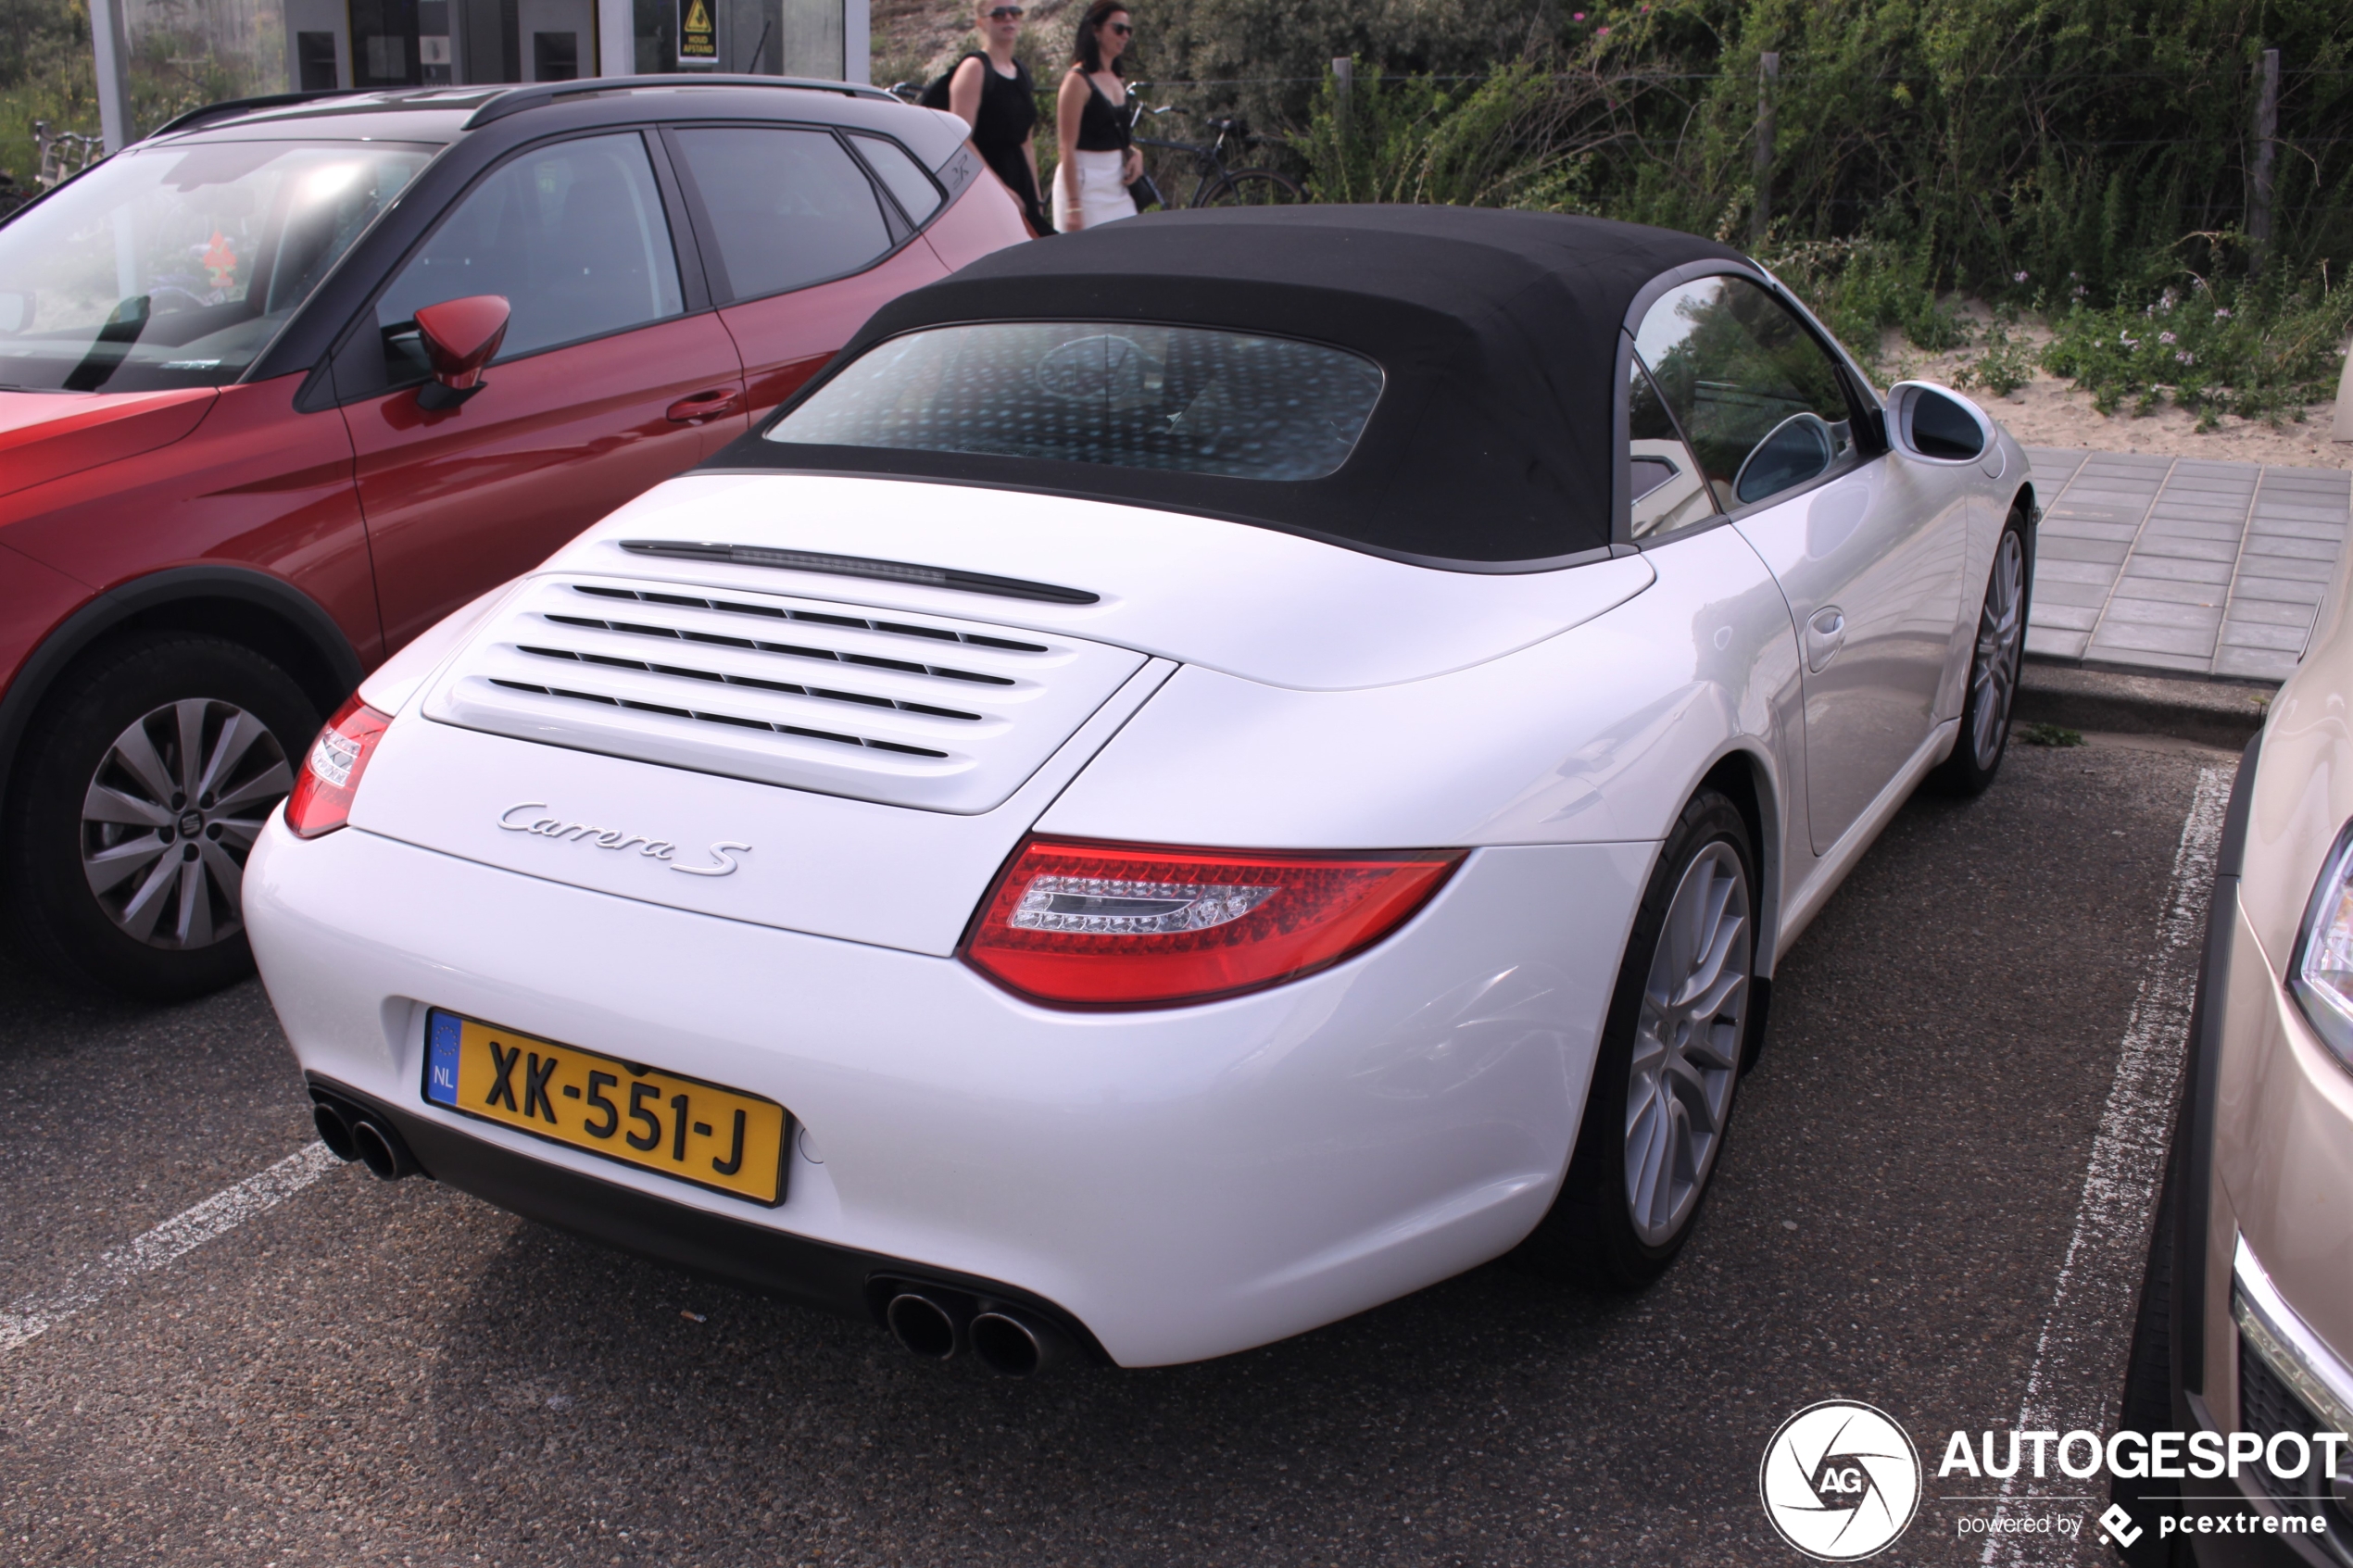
292 378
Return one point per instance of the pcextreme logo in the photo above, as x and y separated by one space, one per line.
1841 1480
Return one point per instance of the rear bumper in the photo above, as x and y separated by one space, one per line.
842 1279
1178 1184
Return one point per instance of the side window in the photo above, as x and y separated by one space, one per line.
905 179
1669 490
572 235
786 208
1762 403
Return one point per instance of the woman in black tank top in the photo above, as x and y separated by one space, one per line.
993 94
1090 116
1102 129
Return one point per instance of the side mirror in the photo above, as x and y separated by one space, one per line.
460 336
1795 450
1929 421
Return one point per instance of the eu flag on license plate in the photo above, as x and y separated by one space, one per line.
442 1032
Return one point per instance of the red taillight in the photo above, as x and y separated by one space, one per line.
1124 925
330 776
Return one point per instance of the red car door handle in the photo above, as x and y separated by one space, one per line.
706 405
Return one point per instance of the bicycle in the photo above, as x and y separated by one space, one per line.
1215 184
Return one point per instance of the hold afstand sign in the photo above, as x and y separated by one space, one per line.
697 33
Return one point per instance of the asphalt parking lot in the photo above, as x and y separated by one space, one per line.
364 1373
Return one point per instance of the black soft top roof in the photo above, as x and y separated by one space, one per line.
1494 440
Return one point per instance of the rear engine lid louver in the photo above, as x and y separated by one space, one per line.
875 705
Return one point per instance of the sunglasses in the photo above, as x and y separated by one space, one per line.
1005 14
1123 30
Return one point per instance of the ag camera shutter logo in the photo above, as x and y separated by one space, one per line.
1841 1480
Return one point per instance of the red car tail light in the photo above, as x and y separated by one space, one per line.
330 776
1124 925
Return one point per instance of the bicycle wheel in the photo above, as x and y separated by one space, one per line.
1251 187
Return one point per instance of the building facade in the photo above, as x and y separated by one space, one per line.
155 58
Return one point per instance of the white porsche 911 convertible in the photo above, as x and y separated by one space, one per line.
1205 775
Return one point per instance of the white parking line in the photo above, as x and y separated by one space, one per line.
2079 1360
32 1316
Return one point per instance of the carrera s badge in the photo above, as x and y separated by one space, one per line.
722 853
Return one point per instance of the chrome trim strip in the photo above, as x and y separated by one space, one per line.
861 566
2287 1344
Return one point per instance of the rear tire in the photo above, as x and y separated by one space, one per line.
142 783
1253 187
1995 662
1668 1068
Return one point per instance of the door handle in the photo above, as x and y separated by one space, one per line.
1825 635
715 405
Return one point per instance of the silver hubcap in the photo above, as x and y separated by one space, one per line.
1687 1044
170 815
2000 637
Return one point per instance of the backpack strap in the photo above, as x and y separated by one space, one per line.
936 95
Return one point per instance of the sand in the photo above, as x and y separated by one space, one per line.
2048 411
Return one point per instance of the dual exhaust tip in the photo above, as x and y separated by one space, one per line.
939 1324
351 1134
933 1322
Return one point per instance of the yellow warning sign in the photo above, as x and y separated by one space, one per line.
698 34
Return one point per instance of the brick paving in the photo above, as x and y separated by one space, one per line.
2180 566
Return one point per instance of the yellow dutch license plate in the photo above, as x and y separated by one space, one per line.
681 1127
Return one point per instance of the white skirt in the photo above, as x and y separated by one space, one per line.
1102 195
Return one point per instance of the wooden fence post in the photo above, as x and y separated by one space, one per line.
1760 212
2267 131
1343 91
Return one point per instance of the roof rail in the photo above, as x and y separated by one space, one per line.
538 96
241 105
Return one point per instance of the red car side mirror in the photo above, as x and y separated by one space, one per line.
460 336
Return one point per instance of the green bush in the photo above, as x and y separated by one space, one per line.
2260 349
1863 288
1520 138
45 74
2006 364
1998 145
1470 143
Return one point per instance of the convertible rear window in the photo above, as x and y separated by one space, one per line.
1175 399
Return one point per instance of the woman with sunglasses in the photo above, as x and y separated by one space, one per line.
992 93
1099 162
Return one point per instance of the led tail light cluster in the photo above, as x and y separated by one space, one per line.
1117 925
330 776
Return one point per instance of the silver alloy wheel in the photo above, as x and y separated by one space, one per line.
2001 637
1687 1044
171 813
